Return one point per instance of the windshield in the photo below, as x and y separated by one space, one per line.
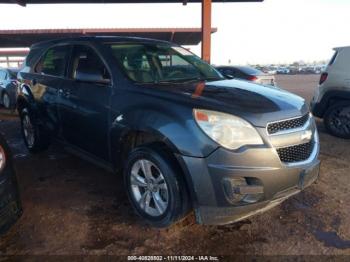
151 63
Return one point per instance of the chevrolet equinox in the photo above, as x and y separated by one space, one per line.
183 136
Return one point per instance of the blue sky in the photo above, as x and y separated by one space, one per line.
275 31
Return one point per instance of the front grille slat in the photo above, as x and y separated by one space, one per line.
283 125
295 153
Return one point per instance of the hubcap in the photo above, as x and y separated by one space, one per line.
28 131
149 188
6 101
340 120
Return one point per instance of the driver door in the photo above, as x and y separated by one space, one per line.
85 108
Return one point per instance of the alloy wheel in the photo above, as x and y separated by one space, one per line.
149 187
6 100
28 130
340 120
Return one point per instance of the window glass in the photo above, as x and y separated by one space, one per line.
152 63
228 72
250 71
86 61
54 61
331 62
2 75
13 73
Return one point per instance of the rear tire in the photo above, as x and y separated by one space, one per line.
34 137
155 186
6 100
337 120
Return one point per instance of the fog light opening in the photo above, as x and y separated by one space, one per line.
241 190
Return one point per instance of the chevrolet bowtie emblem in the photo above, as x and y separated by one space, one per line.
306 136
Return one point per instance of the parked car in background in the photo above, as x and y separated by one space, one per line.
8 87
331 100
283 70
10 203
184 137
246 73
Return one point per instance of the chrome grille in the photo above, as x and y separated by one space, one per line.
276 127
295 153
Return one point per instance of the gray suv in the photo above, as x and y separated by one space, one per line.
182 136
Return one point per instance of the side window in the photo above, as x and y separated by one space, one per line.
86 61
2 75
228 72
54 61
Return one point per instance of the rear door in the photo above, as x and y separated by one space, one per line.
47 80
84 106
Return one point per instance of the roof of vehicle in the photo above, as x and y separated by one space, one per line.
24 2
103 39
340 47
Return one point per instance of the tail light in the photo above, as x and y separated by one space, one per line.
252 78
323 78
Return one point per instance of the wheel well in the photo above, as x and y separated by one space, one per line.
334 100
139 138
21 103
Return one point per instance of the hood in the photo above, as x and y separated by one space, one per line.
256 103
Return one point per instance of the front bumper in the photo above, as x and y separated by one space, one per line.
278 181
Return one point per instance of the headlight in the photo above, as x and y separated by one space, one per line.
2 158
229 131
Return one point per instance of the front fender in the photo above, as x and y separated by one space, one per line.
176 128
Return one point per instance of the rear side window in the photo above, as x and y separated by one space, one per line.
2 75
54 62
331 62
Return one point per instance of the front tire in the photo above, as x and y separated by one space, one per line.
34 137
155 186
337 120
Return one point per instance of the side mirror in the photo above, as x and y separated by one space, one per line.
91 76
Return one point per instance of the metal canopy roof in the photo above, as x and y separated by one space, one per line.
24 2
25 38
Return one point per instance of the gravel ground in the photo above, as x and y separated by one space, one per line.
72 207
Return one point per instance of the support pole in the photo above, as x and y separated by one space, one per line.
206 29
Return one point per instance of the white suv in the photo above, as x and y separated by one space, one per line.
331 100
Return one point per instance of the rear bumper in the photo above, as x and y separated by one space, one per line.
261 165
